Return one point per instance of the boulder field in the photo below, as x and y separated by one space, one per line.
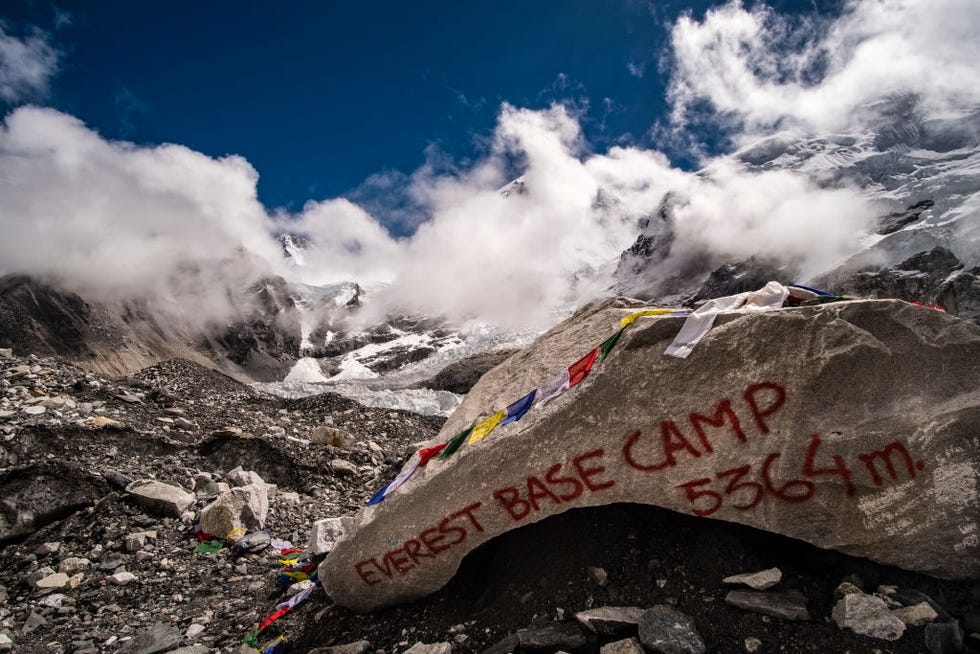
853 426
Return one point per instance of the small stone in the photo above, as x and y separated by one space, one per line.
916 615
867 615
135 541
757 580
598 576
611 621
6 353
433 648
128 399
194 631
847 588
254 542
36 575
122 578
343 467
944 637
666 630
158 638
34 621
557 635
753 645
102 422
51 582
788 606
626 646
324 535
6 644
34 410
53 601
47 548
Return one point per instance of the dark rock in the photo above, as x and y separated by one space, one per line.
117 479
944 637
158 638
899 219
867 615
506 645
611 621
461 376
733 278
789 605
666 630
569 636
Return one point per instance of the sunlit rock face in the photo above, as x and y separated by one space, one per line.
853 426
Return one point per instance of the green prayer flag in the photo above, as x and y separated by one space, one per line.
609 344
454 444
251 639
209 547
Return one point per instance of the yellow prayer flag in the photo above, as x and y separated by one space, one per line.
486 426
630 319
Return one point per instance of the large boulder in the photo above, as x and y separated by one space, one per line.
853 426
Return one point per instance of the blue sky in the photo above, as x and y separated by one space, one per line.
320 97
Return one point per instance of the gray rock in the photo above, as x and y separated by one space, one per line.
598 576
324 535
6 353
732 403
34 410
245 507
611 621
846 588
193 649
135 541
761 580
6 644
158 638
506 645
34 622
47 548
790 605
160 498
625 646
35 576
867 615
556 635
427 648
944 637
239 477
357 647
916 615
254 542
752 645
666 630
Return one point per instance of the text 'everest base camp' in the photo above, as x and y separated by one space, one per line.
852 426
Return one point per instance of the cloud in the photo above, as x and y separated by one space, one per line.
26 65
636 68
758 70
115 221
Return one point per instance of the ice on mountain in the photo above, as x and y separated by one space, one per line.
306 370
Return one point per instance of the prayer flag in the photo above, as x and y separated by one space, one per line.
552 388
484 427
578 370
402 477
517 410
608 344
377 497
630 319
272 617
454 444
427 454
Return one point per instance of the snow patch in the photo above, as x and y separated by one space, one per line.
306 370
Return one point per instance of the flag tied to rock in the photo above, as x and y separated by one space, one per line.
484 427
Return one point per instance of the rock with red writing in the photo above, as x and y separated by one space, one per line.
852 426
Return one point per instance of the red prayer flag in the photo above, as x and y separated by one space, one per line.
428 453
578 370
272 617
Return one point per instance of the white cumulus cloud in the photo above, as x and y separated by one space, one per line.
26 65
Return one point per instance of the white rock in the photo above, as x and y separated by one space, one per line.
867 615
73 564
240 477
324 535
333 436
245 507
343 467
34 410
6 352
194 631
51 582
6 645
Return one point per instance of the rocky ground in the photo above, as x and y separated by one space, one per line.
86 567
